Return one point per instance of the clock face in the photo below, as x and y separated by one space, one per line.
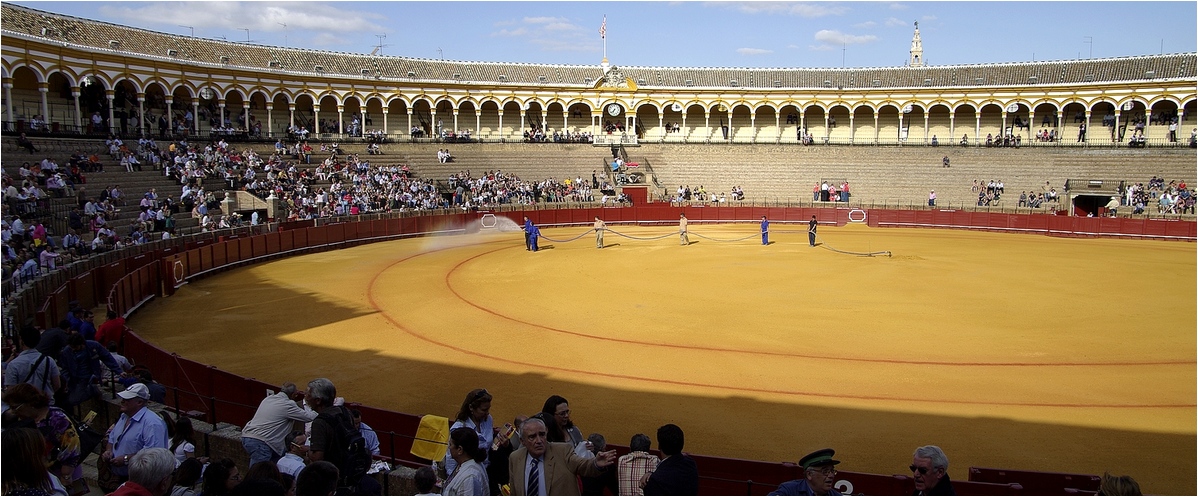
613 109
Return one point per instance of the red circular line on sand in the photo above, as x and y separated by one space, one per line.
772 353
374 304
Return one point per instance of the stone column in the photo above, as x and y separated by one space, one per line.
8 103
1031 119
245 108
952 126
1002 130
75 94
455 120
270 122
876 129
684 130
478 123
409 130
925 127
141 114
977 130
43 90
385 131
661 125
111 95
340 120
290 115
899 138
220 104
1115 130
707 124
195 115
852 130
778 125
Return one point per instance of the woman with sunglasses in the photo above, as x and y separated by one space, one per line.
475 414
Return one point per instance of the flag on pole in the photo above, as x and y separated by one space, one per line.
603 28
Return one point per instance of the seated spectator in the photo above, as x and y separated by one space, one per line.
187 477
318 478
929 470
150 473
1118 485
425 480
819 470
25 143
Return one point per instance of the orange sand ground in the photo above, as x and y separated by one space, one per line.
1009 351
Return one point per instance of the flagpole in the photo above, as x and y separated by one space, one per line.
603 34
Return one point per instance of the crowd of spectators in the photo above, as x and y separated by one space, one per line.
989 194
1173 197
312 442
686 194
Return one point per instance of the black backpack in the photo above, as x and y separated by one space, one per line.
347 451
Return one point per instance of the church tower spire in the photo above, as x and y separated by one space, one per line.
916 49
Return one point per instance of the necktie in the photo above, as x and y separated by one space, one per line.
534 479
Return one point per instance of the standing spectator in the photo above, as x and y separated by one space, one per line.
33 367
929 470
468 476
677 474
634 465
263 436
557 411
474 414
328 442
138 428
80 361
528 466
932 198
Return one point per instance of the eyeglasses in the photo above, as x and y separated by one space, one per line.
826 471
922 470
563 413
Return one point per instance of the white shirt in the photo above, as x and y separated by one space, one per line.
291 464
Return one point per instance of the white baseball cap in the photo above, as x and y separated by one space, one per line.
135 390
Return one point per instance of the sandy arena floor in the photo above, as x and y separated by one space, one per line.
1009 351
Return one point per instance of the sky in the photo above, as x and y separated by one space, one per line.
679 33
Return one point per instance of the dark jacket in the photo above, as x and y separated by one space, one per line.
943 487
799 487
675 475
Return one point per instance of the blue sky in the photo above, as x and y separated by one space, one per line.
703 34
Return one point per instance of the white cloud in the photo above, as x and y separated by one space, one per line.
753 51
793 46
894 21
324 23
866 24
544 20
833 37
788 8
510 32
561 26
898 6
820 48
929 18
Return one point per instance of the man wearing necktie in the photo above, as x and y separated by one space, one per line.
544 468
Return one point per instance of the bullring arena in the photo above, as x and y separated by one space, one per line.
1039 340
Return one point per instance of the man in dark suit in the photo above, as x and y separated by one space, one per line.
677 474
544 468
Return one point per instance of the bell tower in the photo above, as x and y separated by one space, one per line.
916 49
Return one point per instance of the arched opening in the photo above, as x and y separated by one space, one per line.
768 125
1164 121
789 114
1046 118
648 125
939 124
838 124
964 125
351 117
814 119
863 125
